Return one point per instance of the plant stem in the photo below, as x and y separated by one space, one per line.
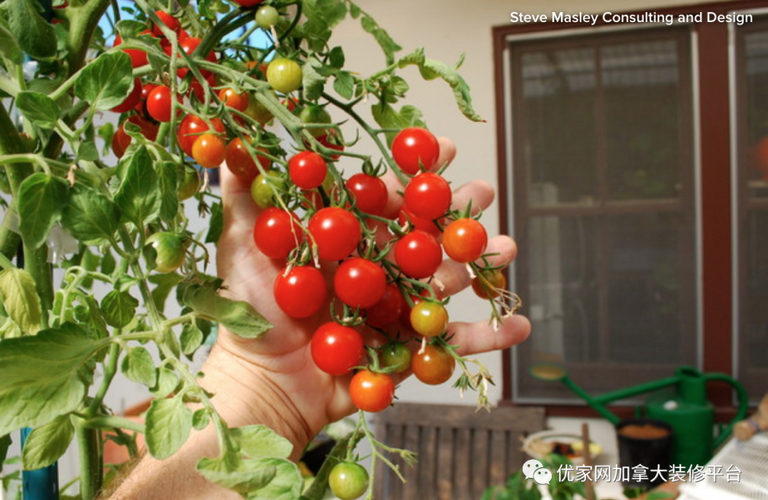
89 447
316 490
113 422
110 369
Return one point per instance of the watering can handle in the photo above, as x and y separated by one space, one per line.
743 404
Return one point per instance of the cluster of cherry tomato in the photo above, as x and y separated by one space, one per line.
309 213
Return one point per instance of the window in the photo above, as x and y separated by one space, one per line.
615 156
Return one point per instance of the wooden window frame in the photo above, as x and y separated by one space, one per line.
713 123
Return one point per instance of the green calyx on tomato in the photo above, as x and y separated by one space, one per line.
170 250
348 480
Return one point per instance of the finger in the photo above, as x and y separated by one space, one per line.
481 336
479 193
237 202
454 277
395 187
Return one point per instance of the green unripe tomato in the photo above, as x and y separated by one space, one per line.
190 183
397 356
170 249
267 16
284 75
257 110
314 114
348 480
263 188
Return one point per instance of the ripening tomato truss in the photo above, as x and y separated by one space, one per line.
359 244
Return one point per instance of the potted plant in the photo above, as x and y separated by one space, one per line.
188 91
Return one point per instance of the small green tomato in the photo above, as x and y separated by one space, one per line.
190 183
348 480
267 16
170 249
262 189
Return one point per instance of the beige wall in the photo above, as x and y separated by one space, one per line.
446 29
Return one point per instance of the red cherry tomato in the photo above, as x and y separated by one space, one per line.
372 392
359 283
141 106
191 128
138 57
429 319
121 140
189 45
171 22
464 240
307 169
301 292
196 88
428 196
336 233
277 232
415 148
133 98
418 254
417 223
159 103
387 310
433 366
234 100
209 150
241 164
369 192
336 349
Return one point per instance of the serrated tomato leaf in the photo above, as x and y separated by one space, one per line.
167 426
20 300
41 198
237 316
107 81
48 443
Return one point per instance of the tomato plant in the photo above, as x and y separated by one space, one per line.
336 349
298 209
371 391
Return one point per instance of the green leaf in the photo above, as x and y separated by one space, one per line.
216 225
139 366
201 418
34 34
167 381
39 109
259 441
9 48
44 376
5 443
108 263
41 198
336 57
354 10
107 81
381 36
169 190
167 427
191 339
48 443
234 473
344 84
119 308
431 69
20 300
236 316
285 486
139 194
312 81
9 329
90 216
106 132
87 151
388 117
165 284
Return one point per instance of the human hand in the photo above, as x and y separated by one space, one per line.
275 377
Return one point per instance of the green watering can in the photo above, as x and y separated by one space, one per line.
681 401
